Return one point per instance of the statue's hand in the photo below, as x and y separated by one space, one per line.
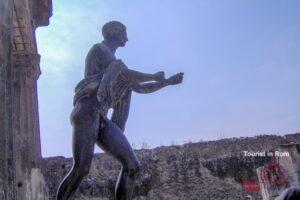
175 79
159 76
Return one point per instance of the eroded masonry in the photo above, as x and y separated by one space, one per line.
206 170
20 155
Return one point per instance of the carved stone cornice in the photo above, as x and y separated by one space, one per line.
42 11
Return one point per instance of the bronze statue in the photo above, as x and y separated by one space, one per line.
107 83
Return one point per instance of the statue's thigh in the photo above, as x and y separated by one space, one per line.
112 140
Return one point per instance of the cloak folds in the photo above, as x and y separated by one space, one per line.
109 87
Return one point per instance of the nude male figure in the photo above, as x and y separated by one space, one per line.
107 83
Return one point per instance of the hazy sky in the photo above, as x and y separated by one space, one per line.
241 60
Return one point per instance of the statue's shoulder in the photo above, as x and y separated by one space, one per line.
99 48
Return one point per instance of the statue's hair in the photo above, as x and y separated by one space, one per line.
110 29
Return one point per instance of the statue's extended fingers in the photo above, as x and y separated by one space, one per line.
180 78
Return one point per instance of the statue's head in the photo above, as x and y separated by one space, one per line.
115 31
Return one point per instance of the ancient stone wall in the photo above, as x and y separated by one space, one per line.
27 16
20 153
205 170
6 136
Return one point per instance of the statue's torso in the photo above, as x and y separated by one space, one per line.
102 78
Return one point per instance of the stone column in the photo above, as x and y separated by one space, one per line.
6 134
25 120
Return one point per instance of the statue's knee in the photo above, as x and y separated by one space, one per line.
133 168
85 171
81 171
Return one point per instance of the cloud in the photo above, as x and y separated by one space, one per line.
65 42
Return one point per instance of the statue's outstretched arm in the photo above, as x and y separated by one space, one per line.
148 87
154 86
141 77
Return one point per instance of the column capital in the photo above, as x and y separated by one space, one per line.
27 63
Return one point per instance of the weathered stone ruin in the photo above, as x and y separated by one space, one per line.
204 170
20 155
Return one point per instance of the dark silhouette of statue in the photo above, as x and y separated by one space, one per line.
107 83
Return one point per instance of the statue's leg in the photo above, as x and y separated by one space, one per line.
85 121
112 140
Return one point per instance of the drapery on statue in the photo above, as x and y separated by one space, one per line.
107 83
